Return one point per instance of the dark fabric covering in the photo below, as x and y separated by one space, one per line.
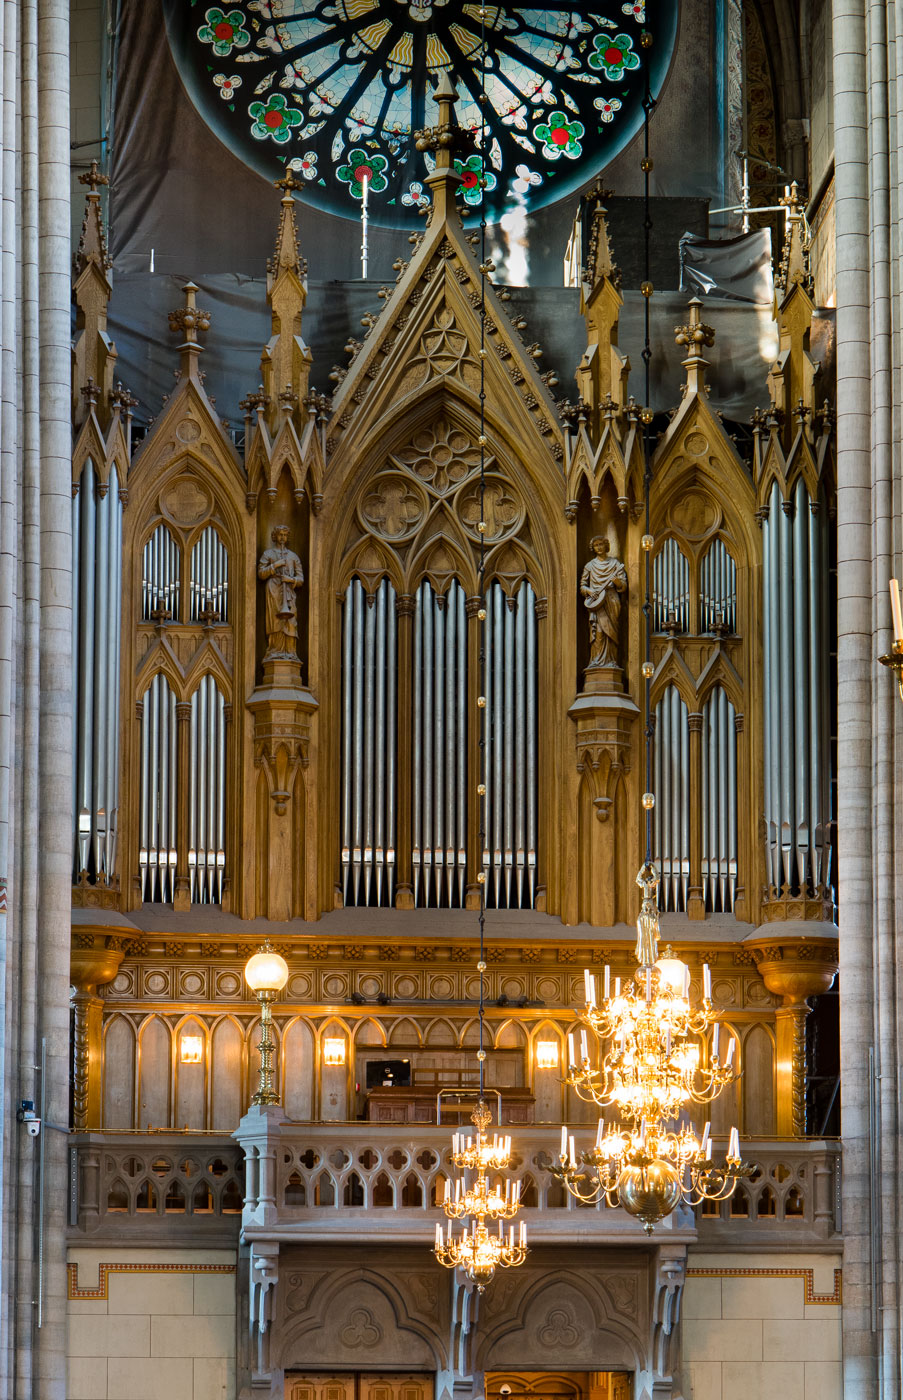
736 268
744 347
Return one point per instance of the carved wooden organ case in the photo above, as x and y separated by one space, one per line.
209 771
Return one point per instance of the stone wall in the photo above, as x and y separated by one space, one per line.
146 1323
764 1326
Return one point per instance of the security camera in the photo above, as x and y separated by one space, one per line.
26 1114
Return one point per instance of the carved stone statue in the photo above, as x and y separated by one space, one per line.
283 573
602 583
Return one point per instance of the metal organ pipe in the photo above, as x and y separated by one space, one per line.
717 589
510 733
160 575
672 809
209 577
207 804
719 802
440 746
797 774
670 588
97 574
157 863
368 745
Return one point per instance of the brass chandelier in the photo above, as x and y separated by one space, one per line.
654 1056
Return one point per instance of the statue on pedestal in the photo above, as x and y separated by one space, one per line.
603 581
281 568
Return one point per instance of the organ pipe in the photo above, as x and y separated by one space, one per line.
719 802
206 794
672 809
368 742
97 575
670 589
159 790
509 731
439 805
717 589
796 723
160 576
209 579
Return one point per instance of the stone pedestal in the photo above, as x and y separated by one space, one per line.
603 717
283 710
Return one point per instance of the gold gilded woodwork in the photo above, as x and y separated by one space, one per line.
794 970
91 967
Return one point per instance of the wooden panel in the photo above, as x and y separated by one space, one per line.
395 1387
758 1083
225 1069
119 1075
154 1075
298 1072
363 1386
320 1387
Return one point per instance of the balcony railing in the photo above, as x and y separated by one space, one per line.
360 1181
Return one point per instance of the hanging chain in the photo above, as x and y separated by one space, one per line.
647 289
482 612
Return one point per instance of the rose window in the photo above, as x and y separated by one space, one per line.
335 89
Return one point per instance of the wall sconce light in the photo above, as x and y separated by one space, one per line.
191 1049
547 1054
334 1050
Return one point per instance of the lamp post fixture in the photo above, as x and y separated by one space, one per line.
266 973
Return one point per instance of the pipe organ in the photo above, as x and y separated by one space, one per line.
276 659
97 572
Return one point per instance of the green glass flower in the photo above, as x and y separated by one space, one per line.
613 55
559 137
472 177
361 165
274 118
225 31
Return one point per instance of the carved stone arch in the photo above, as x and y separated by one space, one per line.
160 659
208 660
370 562
560 1319
440 561
363 1316
432 1036
405 1032
511 564
673 670
720 672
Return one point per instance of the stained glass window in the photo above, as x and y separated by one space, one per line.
335 89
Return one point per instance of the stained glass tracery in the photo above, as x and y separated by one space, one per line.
336 89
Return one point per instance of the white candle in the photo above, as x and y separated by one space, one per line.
607 981
572 1057
730 1051
896 610
587 991
573 1154
707 981
438 1235
617 986
584 1047
564 1141
599 1131
523 1234
733 1150
716 1033
648 984
668 1041
705 1138
447 1189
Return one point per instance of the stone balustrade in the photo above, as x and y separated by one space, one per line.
370 1181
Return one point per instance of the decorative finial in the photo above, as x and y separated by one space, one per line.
695 334
189 319
93 177
288 183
